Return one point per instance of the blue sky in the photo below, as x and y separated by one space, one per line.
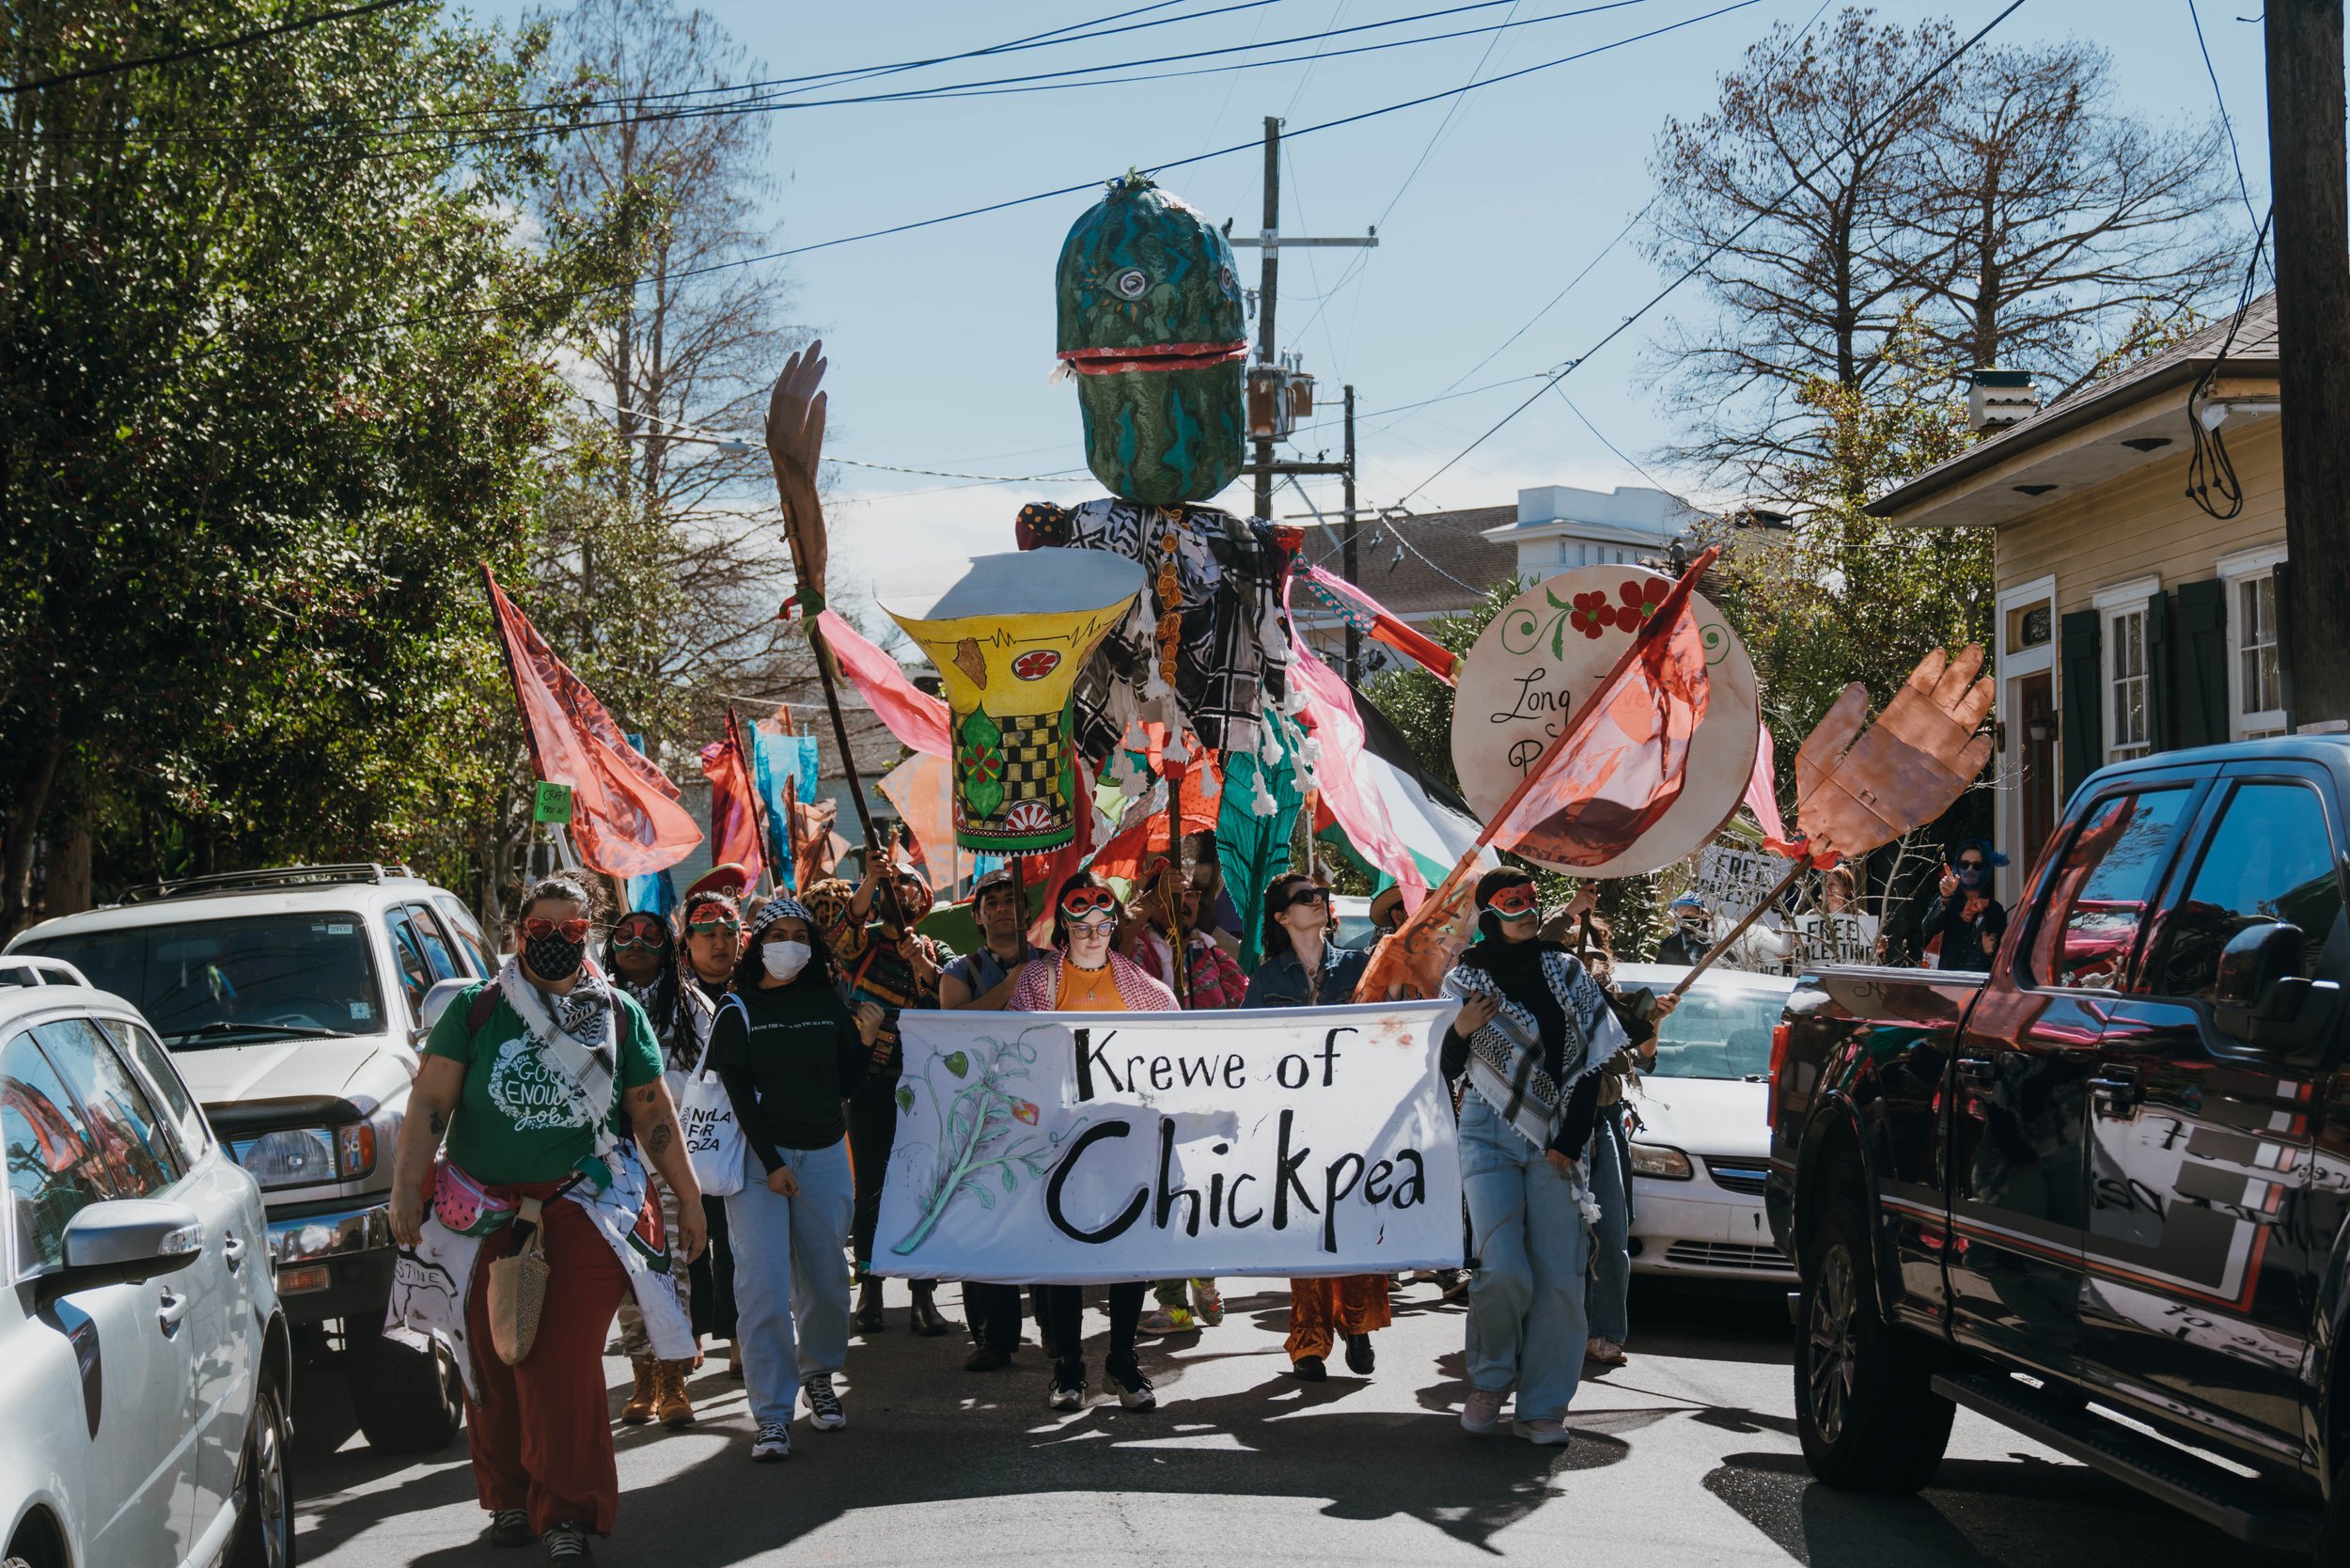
941 339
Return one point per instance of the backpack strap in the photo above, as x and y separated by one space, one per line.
479 1005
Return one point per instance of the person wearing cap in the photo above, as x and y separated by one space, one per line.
712 925
1692 934
789 1052
1531 1039
1303 968
1387 914
1086 973
883 960
981 981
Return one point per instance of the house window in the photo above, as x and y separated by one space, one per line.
2125 679
2256 697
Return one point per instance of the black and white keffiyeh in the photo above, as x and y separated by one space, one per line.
578 1037
1232 658
1506 1055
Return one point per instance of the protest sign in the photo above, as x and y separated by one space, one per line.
1838 938
1733 882
1067 1147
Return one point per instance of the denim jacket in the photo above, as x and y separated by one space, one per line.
1280 981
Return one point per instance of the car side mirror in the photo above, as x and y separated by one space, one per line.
2260 993
125 1240
436 1002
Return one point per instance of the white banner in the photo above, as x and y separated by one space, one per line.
1733 881
1067 1148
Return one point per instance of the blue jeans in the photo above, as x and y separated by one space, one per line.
1526 1324
1608 1301
791 1277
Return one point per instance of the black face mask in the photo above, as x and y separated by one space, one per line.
551 958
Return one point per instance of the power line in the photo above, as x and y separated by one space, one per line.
114 68
2227 122
1069 190
1603 439
1736 235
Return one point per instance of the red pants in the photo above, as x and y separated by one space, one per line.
1323 1309
541 1432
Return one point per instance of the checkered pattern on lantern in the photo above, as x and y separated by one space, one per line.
1032 743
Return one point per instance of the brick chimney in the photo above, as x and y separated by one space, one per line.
1997 399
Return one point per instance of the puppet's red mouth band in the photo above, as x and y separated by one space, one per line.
1154 356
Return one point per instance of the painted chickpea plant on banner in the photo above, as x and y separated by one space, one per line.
1079 1148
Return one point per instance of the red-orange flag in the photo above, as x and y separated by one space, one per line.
1619 766
734 835
625 816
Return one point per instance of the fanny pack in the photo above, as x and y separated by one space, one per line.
464 1206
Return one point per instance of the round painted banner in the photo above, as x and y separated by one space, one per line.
1548 651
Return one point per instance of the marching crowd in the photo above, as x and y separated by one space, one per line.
548 1101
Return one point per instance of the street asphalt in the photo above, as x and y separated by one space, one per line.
1686 1456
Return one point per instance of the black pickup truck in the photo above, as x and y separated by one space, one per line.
2101 1194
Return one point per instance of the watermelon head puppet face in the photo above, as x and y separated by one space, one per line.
1150 318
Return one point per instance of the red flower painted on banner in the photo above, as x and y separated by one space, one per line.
1591 614
980 763
1641 598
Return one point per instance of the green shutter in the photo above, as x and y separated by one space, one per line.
2161 690
2199 631
2082 714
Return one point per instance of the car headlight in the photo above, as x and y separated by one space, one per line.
296 1157
1657 1159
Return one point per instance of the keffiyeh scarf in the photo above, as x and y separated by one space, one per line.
1506 1055
578 1037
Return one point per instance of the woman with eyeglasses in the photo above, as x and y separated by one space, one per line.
789 1052
1303 968
712 923
1085 975
546 1084
641 957
1964 914
1533 1033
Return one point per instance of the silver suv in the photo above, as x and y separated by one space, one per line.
145 1365
293 1000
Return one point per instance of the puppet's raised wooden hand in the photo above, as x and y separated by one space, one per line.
1906 769
796 444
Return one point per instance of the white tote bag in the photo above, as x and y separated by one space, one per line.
714 1139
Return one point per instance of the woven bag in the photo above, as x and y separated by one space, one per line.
518 1287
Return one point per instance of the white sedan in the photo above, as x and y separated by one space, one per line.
1699 1153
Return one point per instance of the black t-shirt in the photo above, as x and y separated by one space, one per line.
788 1072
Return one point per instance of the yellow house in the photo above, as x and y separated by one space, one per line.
2137 561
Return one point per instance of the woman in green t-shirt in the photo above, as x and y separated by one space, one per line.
534 1079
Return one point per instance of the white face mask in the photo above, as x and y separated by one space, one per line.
784 960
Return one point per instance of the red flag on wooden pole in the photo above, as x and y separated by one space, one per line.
734 835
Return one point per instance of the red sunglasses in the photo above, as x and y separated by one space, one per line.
1081 902
538 926
1514 902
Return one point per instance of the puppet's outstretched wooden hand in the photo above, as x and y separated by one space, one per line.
796 444
1906 769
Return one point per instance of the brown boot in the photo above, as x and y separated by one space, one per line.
677 1411
925 1316
638 1410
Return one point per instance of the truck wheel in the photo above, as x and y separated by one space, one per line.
266 1522
407 1399
1868 1419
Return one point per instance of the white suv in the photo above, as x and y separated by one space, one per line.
145 1366
293 1000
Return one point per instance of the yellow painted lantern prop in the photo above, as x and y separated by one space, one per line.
1008 640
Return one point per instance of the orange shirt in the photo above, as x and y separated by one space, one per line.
1087 990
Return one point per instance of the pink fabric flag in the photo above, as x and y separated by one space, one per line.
922 788
915 717
1763 789
1375 621
734 835
1340 775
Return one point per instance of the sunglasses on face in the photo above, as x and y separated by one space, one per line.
1307 895
1971 865
1087 900
1514 902
637 936
573 931
715 923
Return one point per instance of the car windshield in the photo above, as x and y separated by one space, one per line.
234 981
1719 1032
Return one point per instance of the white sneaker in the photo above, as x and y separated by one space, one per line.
772 1445
1482 1413
1067 1391
824 1406
1542 1433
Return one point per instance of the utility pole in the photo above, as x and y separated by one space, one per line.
1353 637
1264 468
2306 164
1268 290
